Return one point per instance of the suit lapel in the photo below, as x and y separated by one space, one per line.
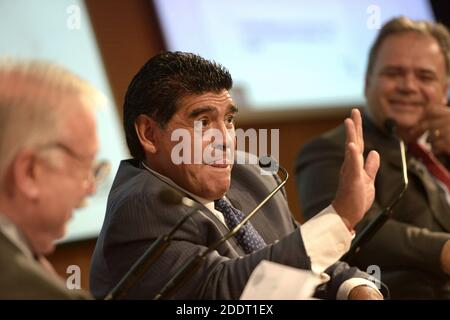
390 154
436 201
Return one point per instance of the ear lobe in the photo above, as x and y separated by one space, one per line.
24 174
146 131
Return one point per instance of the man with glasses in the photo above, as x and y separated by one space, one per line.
48 145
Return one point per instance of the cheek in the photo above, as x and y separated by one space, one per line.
67 198
435 95
52 218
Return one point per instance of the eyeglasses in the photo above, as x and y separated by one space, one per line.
98 172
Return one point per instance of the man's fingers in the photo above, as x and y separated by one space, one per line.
440 146
437 134
372 164
350 131
356 117
437 112
353 160
438 123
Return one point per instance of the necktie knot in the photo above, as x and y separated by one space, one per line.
247 237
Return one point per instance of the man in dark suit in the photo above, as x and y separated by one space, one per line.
47 148
172 96
407 81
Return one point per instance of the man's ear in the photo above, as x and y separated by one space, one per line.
146 130
24 173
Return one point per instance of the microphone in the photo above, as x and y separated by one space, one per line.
369 231
170 197
195 261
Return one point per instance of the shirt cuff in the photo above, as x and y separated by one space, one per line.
326 239
348 285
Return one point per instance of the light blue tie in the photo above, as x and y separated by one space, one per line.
247 237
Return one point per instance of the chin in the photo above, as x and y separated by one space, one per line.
406 122
59 234
46 248
215 192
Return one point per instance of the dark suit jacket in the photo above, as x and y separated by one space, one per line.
135 217
408 246
23 278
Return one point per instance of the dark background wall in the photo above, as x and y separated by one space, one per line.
128 35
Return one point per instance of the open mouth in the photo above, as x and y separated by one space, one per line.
219 159
223 163
219 165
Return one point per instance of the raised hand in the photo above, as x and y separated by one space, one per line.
356 190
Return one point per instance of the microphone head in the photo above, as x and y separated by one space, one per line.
268 165
173 197
390 125
265 161
170 196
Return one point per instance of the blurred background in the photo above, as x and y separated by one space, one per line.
298 66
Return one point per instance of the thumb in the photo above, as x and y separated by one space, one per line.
372 164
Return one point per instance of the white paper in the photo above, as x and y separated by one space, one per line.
273 281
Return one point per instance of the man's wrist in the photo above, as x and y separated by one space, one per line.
347 223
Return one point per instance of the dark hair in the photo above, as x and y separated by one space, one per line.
160 84
402 24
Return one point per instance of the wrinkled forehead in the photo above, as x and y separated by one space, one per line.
221 99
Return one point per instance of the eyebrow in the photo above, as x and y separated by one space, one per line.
201 110
420 69
232 108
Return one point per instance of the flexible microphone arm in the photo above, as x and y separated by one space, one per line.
168 196
372 228
195 261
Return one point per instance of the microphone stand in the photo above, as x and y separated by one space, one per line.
369 231
195 261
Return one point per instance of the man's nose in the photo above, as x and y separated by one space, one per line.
408 83
227 136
